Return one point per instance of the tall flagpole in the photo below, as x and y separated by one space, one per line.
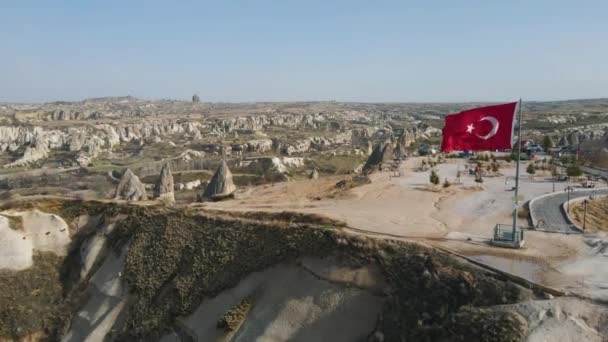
516 203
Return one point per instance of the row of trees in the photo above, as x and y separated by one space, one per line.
571 170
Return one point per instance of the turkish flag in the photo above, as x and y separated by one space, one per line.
483 128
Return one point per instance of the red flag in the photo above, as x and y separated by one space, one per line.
483 128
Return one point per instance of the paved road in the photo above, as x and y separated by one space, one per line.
596 171
548 209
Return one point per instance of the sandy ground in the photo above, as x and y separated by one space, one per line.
596 217
460 217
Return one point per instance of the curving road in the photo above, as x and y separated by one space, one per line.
548 209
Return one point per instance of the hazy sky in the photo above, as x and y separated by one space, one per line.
304 50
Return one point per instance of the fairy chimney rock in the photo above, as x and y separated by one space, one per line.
314 174
221 184
130 188
163 189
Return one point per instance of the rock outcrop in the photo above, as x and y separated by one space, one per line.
130 188
400 151
374 160
221 185
388 154
163 189
37 150
37 232
382 154
314 174
259 145
272 168
360 137
407 138
574 138
299 146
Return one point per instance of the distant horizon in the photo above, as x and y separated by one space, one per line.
277 51
202 100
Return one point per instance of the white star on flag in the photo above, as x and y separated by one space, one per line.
470 128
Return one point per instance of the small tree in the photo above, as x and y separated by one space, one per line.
434 178
446 183
547 142
531 169
574 171
495 167
567 159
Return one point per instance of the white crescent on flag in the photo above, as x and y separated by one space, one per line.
494 129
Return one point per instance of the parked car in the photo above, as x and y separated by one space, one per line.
426 150
588 184
536 148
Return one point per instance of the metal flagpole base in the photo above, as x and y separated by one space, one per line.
504 237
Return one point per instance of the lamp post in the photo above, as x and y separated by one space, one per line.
585 202
568 190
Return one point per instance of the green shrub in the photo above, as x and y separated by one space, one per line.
434 178
531 169
233 317
574 171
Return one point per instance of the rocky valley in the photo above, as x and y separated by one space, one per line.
135 220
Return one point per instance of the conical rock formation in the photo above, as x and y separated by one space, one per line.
400 151
314 174
130 188
221 184
388 154
163 189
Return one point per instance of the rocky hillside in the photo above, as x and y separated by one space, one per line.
129 273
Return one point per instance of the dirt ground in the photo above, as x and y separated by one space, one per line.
460 217
596 217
